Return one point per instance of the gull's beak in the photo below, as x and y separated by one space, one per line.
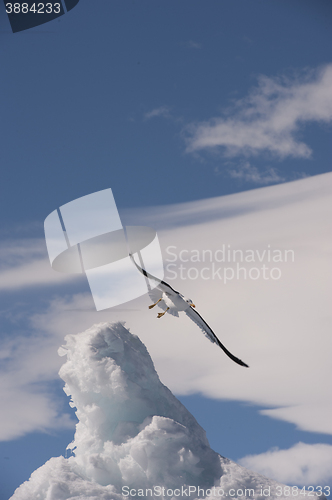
192 305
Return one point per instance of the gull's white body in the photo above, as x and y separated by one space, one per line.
176 303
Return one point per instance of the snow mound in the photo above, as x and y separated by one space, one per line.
134 439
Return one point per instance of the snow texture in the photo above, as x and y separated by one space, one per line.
133 437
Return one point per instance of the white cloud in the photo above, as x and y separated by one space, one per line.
309 422
24 263
27 403
27 409
191 44
163 111
248 173
303 464
269 118
38 272
281 328
15 252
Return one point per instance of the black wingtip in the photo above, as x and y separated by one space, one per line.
231 356
239 361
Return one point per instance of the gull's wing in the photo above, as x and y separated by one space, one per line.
162 285
197 318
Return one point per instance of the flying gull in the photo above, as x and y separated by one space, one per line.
173 302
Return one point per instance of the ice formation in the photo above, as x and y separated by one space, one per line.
134 439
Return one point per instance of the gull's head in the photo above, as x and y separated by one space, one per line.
190 302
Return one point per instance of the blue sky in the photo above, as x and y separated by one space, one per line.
166 103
